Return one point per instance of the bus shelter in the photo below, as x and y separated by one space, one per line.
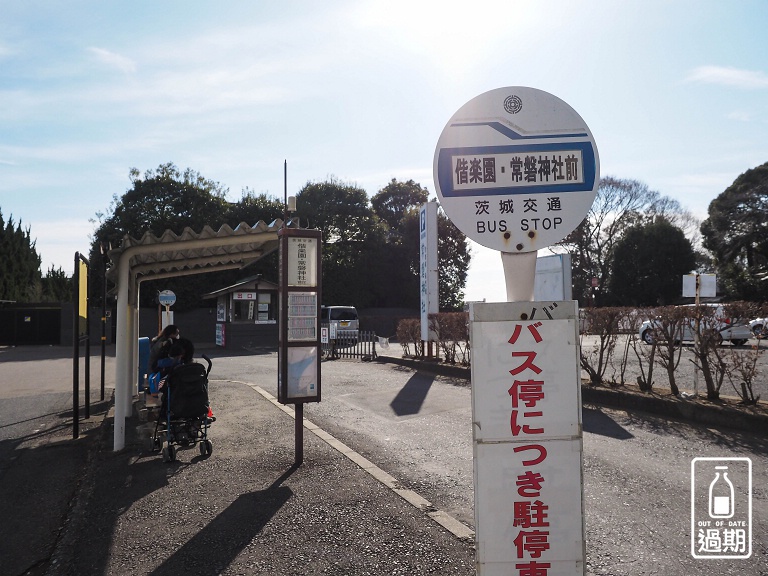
169 255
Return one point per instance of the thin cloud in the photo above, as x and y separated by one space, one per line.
113 60
728 77
740 116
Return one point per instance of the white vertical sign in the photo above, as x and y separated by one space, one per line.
527 438
553 278
302 260
428 266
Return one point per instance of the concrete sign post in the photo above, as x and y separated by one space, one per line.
698 286
516 169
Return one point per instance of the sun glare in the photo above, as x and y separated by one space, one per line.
453 34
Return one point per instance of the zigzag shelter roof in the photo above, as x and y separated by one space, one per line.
191 252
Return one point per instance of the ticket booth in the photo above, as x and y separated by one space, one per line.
246 315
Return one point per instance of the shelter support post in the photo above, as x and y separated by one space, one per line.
133 368
123 352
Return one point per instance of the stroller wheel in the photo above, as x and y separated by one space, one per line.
206 447
169 453
155 444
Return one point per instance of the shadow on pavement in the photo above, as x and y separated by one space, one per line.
228 534
598 422
42 352
39 476
123 479
411 397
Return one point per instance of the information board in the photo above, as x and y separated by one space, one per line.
302 316
302 254
299 296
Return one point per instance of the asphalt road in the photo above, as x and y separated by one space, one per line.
416 427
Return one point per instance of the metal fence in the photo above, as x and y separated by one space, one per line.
350 344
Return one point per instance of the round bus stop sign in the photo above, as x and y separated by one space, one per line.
516 169
166 298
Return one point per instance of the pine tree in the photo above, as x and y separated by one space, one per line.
19 262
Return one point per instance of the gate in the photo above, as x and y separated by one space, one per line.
350 344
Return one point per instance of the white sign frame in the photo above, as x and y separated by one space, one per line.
553 278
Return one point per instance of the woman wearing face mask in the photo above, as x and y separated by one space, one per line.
161 345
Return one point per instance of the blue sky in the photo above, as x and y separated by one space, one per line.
674 92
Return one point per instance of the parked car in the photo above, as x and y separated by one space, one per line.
731 330
757 326
343 323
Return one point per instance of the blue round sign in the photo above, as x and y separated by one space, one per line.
166 298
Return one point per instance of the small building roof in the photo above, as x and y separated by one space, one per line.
250 284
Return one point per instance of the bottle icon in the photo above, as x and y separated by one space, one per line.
721 495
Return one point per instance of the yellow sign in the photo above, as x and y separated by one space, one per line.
82 292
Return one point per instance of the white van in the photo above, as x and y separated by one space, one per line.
341 320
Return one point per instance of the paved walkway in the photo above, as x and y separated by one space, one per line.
246 509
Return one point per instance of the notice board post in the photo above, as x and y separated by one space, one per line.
298 379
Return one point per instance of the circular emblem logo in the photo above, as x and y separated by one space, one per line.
513 104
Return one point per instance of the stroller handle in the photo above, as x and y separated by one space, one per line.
210 364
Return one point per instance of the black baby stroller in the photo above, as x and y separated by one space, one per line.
185 413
